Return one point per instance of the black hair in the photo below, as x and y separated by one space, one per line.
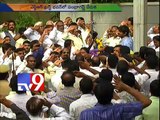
70 80
81 18
86 85
112 61
5 47
106 74
94 34
55 53
129 79
19 49
131 20
66 64
33 43
67 43
157 38
104 92
79 58
26 42
29 57
107 50
12 21
74 66
152 61
85 49
154 88
124 29
95 61
149 51
122 67
124 50
34 106
142 51
73 23
59 21
6 37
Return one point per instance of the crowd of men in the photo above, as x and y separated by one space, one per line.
86 77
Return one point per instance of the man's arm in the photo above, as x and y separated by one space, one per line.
20 114
139 97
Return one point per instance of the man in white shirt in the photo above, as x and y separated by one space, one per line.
84 30
71 34
87 100
153 31
56 34
41 106
10 32
34 33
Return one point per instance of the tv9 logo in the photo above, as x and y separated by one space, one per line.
30 82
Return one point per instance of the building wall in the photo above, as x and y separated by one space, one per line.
103 20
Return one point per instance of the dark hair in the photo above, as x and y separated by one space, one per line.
99 80
14 85
104 92
131 20
112 61
129 79
67 43
95 61
157 38
124 50
73 23
19 49
70 80
106 74
94 34
85 49
149 51
86 85
55 53
59 21
12 21
124 29
34 106
79 58
6 37
122 67
70 65
81 18
152 61
66 64
26 42
29 57
154 88
5 47
142 52
33 43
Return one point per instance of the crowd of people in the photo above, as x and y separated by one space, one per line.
86 77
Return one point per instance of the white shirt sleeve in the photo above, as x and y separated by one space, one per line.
141 78
28 32
59 112
52 35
